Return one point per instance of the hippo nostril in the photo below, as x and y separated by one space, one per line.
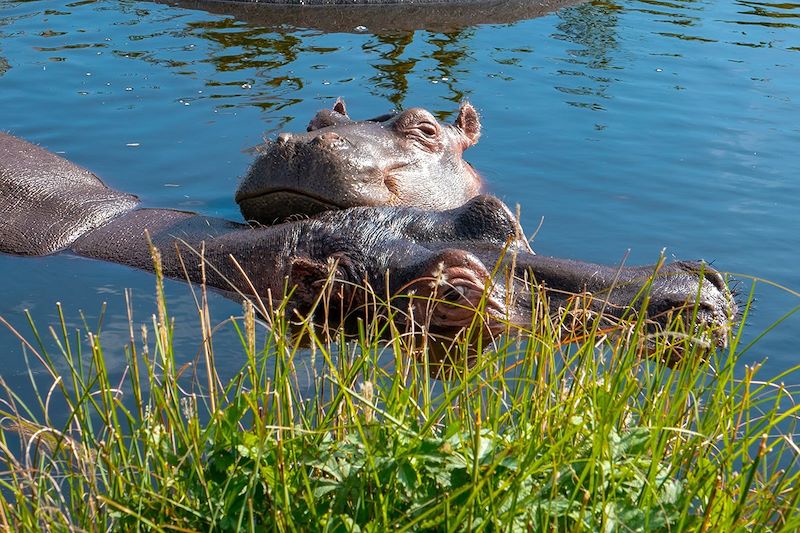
708 273
715 278
329 137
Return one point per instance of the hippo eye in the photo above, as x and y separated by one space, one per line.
428 128
453 295
420 127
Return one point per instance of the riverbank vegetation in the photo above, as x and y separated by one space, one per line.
549 434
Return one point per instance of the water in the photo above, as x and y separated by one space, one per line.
627 126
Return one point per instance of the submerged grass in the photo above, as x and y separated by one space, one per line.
545 434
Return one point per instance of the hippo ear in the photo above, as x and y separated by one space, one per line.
339 107
330 117
305 277
468 123
309 278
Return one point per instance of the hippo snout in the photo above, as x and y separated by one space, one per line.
711 295
685 306
690 300
329 138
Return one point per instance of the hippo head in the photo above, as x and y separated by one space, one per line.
685 305
399 159
452 296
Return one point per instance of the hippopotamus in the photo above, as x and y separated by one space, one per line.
398 159
466 257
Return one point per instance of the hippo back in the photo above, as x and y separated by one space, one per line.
48 202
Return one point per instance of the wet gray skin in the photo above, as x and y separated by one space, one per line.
399 159
449 254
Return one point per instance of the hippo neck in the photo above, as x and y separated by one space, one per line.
181 238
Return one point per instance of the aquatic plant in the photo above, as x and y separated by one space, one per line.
547 431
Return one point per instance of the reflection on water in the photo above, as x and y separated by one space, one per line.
448 51
628 125
593 28
259 43
774 15
694 18
4 66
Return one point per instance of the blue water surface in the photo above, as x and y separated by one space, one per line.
622 127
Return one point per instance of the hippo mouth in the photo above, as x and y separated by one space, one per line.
285 203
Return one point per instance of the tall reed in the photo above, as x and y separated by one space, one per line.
545 432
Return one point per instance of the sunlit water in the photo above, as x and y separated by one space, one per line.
627 126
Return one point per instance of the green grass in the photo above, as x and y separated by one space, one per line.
550 434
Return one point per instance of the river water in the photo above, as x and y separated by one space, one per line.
623 127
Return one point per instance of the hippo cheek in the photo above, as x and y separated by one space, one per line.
431 182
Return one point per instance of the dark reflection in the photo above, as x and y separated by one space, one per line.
379 19
4 65
265 53
450 50
777 15
593 27
254 48
685 37
393 70
663 7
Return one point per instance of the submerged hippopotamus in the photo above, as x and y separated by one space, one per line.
457 255
398 159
